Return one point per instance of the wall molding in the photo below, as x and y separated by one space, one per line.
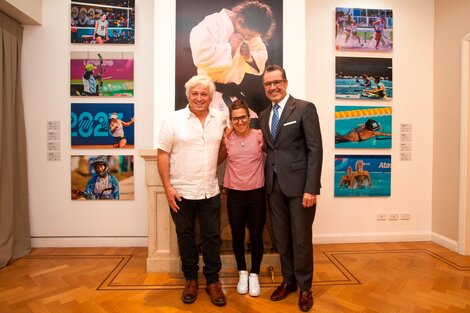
444 241
463 244
372 237
88 241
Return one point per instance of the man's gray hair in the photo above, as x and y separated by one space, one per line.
200 80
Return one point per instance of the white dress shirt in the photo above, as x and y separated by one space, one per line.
281 105
193 150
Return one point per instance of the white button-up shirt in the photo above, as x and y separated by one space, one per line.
193 152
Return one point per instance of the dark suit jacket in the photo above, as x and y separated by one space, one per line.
297 151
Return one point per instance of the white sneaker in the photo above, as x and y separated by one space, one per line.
242 286
254 285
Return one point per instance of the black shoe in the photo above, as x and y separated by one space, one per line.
305 301
283 291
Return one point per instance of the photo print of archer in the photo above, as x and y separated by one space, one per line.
106 74
102 125
364 29
102 21
102 177
363 127
363 175
364 78
231 41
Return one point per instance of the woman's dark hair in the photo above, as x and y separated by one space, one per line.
239 104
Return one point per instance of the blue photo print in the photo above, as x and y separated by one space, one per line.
363 175
364 78
102 125
363 127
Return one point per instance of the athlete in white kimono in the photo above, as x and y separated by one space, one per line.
228 44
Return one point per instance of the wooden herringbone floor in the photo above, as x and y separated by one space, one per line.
385 277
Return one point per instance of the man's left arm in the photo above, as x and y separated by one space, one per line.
314 147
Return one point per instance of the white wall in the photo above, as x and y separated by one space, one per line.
354 219
55 219
310 68
451 27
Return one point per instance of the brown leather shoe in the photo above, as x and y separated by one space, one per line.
217 295
305 301
282 291
190 291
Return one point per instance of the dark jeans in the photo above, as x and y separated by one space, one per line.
247 208
208 211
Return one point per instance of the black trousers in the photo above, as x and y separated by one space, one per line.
208 211
292 229
247 208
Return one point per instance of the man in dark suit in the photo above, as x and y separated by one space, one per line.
293 168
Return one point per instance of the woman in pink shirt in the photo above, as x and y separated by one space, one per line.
246 202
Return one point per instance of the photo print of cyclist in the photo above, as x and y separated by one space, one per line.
103 177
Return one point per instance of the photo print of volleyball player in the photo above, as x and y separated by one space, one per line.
102 177
102 125
364 29
364 78
363 175
102 21
231 41
363 127
105 74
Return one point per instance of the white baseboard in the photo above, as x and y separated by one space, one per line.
445 242
42 242
372 237
62 242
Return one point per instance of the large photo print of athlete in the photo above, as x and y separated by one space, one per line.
102 21
231 41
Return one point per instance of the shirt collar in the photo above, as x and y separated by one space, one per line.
282 103
188 112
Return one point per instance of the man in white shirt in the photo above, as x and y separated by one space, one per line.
188 148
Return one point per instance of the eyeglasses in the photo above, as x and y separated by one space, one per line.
236 119
276 83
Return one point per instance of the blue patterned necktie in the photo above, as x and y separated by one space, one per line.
274 121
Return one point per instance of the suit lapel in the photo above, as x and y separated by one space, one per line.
265 125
